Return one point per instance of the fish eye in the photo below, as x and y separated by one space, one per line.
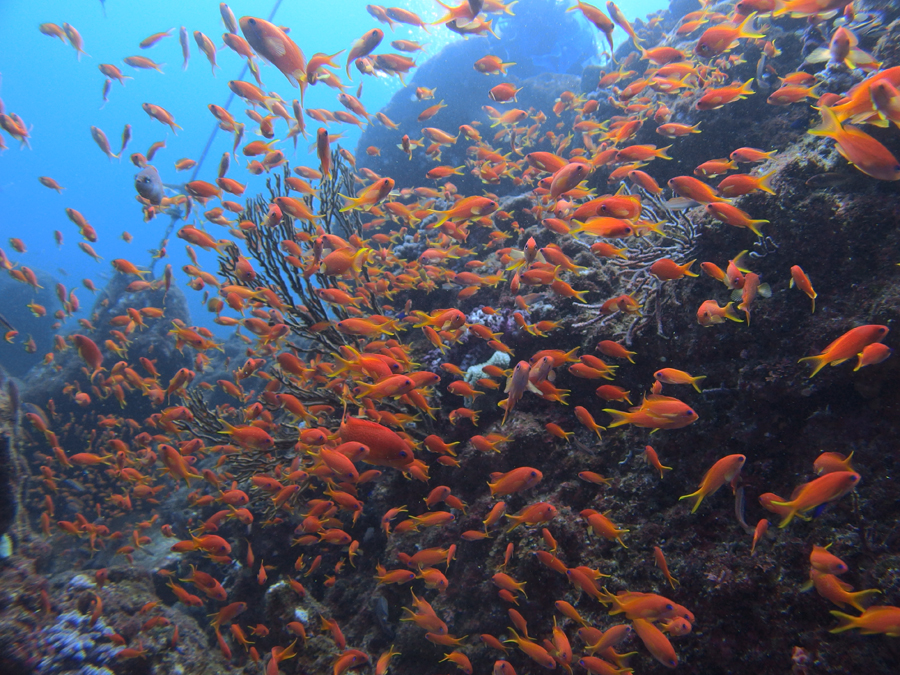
402 453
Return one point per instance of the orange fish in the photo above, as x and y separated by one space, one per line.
828 488
514 481
667 269
541 512
600 525
847 346
720 38
656 642
723 471
364 46
858 148
714 99
740 184
274 45
691 188
710 313
801 8
503 92
490 65
655 412
832 588
876 619
801 281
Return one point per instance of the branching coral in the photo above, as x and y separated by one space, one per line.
676 241
294 280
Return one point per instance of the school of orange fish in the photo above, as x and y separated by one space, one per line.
378 398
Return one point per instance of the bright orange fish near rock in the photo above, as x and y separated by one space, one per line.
386 448
859 148
723 471
847 346
827 488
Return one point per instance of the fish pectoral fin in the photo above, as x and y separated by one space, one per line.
533 389
275 45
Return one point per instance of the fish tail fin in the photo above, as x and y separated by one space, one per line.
515 520
228 428
365 389
745 88
661 153
748 33
445 216
830 126
847 622
350 204
578 295
605 597
788 517
729 313
818 362
699 497
422 317
753 226
619 417
361 258
765 182
656 227
696 380
855 598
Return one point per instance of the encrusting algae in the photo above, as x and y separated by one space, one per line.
347 480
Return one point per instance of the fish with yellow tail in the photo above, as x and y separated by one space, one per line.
851 343
858 148
827 488
655 412
726 470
